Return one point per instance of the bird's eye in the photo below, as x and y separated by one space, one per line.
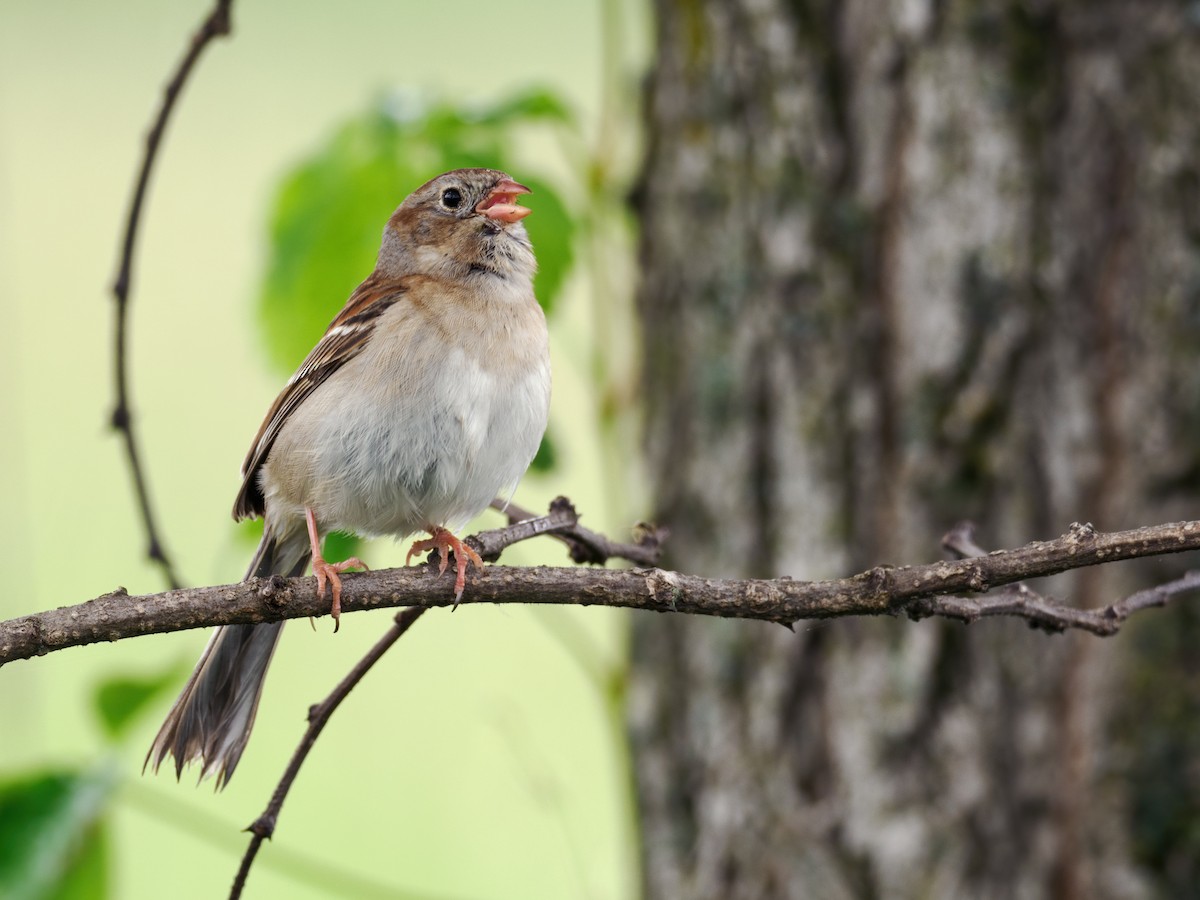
451 198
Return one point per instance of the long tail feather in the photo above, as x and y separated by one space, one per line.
212 718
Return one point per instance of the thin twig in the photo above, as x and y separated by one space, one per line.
561 522
589 546
489 544
1156 596
1021 600
264 826
217 24
882 590
960 540
1014 599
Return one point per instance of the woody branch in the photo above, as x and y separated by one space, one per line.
952 588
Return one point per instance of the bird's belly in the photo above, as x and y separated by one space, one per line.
436 454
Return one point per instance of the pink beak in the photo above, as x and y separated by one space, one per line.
500 203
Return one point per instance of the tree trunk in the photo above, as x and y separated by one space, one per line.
905 264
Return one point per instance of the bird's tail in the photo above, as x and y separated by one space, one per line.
212 718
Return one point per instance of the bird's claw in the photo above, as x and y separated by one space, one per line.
445 543
328 573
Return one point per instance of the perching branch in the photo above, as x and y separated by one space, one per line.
914 590
562 523
217 24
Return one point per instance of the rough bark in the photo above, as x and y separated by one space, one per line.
965 590
971 233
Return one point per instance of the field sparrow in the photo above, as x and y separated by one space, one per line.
427 396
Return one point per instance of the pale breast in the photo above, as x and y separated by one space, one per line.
444 409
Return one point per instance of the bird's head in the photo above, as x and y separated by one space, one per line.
465 223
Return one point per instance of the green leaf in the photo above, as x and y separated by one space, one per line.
547 457
537 103
120 699
329 212
339 546
552 231
249 532
51 839
87 877
325 233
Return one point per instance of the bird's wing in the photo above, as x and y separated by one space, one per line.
347 334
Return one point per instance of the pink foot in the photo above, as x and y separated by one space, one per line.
330 572
444 543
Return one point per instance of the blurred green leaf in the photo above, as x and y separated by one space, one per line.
51 839
249 532
325 233
119 699
87 876
552 232
330 210
547 457
537 103
339 546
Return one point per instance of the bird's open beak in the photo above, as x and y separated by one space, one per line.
500 204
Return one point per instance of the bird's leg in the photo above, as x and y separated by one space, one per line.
443 542
328 571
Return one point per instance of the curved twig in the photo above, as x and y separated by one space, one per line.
561 521
589 546
217 24
1021 600
264 826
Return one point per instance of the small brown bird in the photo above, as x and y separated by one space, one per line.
427 396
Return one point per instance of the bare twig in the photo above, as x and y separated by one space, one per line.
561 521
960 540
264 826
1021 600
1007 601
1155 596
489 545
217 24
879 591
589 546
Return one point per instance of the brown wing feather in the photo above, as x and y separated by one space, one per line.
345 337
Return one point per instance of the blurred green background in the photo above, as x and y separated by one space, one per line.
483 757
